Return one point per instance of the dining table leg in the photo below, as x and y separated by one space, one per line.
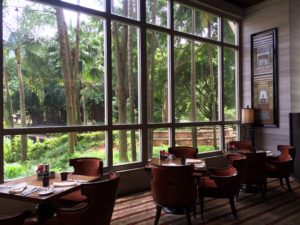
44 212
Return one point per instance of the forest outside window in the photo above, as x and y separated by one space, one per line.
83 83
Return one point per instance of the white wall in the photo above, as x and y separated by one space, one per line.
266 15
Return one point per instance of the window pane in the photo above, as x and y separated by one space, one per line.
205 138
126 146
182 18
125 73
196 81
157 86
125 8
93 4
52 149
231 133
206 25
158 139
230 92
51 78
157 12
230 32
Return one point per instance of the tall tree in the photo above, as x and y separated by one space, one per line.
120 55
68 74
131 86
193 85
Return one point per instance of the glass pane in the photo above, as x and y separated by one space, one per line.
206 25
125 73
196 81
182 18
125 8
231 133
93 4
158 139
230 32
126 146
157 86
230 91
51 78
205 138
157 12
22 153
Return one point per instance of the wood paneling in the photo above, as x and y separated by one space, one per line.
295 54
264 16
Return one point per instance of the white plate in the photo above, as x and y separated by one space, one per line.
46 192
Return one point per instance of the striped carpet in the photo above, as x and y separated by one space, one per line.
281 208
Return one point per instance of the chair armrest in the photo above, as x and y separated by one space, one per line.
76 208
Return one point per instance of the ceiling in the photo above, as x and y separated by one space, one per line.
244 3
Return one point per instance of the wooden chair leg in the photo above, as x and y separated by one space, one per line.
287 180
202 205
281 182
187 214
157 216
194 209
231 200
262 191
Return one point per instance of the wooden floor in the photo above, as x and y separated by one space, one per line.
281 208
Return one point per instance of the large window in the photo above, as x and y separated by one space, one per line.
110 82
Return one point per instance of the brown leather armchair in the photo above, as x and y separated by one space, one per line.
291 150
253 171
183 151
14 219
98 209
223 183
239 145
82 166
280 167
173 189
87 166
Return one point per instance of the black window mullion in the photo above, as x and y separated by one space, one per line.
108 87
143 82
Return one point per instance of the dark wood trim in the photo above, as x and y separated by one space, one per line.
1 99
275 77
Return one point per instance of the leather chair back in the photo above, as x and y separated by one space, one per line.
240 145
87 166
16 219
173 186
183 151
101 201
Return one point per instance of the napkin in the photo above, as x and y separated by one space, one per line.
64 183
18 188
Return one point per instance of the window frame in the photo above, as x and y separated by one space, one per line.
143 125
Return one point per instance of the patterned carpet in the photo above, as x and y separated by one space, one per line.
281 208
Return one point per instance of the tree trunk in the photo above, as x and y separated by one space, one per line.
66 64
193 85
121 89
131 86
22 105
76 108
9 120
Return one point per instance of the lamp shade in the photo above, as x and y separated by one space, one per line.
247 115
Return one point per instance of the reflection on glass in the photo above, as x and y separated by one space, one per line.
231 133
196 81
157 85
125 73
126 146
182 18
157 12
54 74
230 31
206 25
158 139
206 138
230 92
125 8
22 153
93 4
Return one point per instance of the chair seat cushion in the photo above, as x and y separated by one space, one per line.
75 196
208 187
